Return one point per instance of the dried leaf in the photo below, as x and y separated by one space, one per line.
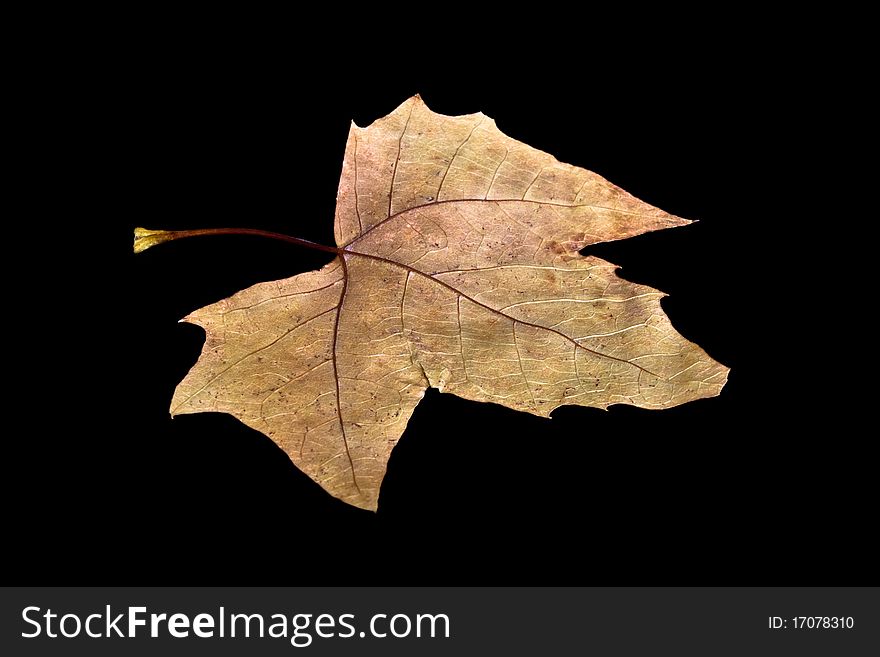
458 268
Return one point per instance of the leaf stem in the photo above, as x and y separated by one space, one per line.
145 238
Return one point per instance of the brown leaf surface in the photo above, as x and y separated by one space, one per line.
459 269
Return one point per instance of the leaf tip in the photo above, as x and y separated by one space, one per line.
725 375
144 238
675 221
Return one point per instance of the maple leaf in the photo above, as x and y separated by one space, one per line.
457 267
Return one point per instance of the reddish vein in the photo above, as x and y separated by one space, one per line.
336 371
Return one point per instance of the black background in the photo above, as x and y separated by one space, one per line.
742 489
